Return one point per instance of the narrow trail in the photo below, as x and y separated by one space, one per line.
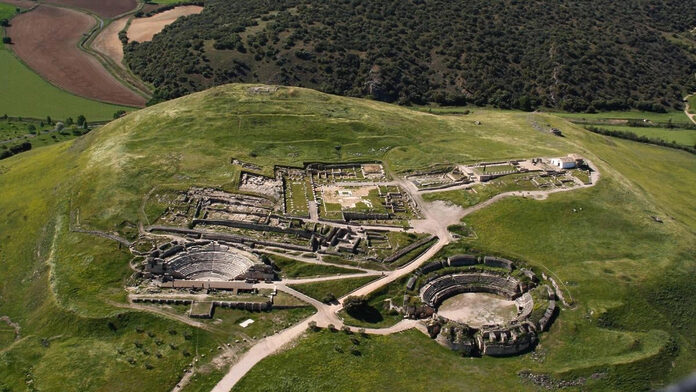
686 109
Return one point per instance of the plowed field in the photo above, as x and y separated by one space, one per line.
46 40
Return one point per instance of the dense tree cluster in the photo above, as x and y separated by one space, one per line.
574 55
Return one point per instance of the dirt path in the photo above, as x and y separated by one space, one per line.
143 29
108 43
686 109
331 277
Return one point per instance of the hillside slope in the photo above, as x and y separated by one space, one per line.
633 318
575 55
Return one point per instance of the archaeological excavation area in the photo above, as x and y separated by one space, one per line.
206 247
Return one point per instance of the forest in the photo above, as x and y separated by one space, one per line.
580 55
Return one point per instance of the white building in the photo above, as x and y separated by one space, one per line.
563 163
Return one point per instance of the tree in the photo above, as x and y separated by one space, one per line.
6 40
81 120
69 121
119 113
49 120
354 304
328 298
4 23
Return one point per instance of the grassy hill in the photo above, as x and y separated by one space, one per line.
632 322
442 51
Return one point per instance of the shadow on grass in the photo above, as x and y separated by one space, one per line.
367 314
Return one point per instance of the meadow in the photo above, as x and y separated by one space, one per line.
289 268
686 137
26 94
627 276
673 115
332 288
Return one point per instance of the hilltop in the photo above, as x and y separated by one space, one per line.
630 324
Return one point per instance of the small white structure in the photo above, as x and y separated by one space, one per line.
246 323
564 163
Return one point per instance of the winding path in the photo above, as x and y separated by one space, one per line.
686 109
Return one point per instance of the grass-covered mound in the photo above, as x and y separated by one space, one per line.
624 271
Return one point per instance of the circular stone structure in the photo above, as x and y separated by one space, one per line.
481 305
204 260
212 262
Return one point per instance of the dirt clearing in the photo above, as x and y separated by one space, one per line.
347 197
143 29
46 39
103 8
478 309
107 41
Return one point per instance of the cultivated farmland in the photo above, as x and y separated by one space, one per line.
143 29
108 43
25 94
103 8
47 39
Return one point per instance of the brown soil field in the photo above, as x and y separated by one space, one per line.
20 3
103 8
143 29
46 40
107 41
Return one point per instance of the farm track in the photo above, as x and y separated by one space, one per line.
691 117
54 52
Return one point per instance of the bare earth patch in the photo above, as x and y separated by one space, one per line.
347 197
46 39
143 29
478 309
107 41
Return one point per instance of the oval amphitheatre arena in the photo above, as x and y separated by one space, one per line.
480 305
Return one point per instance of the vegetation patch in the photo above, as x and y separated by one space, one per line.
330 290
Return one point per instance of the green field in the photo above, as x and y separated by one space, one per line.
7 11
675 116
335 288
290 268
26 94
686 137
631 326
692 104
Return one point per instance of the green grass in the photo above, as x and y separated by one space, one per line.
26 94
675 116
377 315
685 137
692 104
338 287
290 268
324 361
627 275
7 11
483 192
